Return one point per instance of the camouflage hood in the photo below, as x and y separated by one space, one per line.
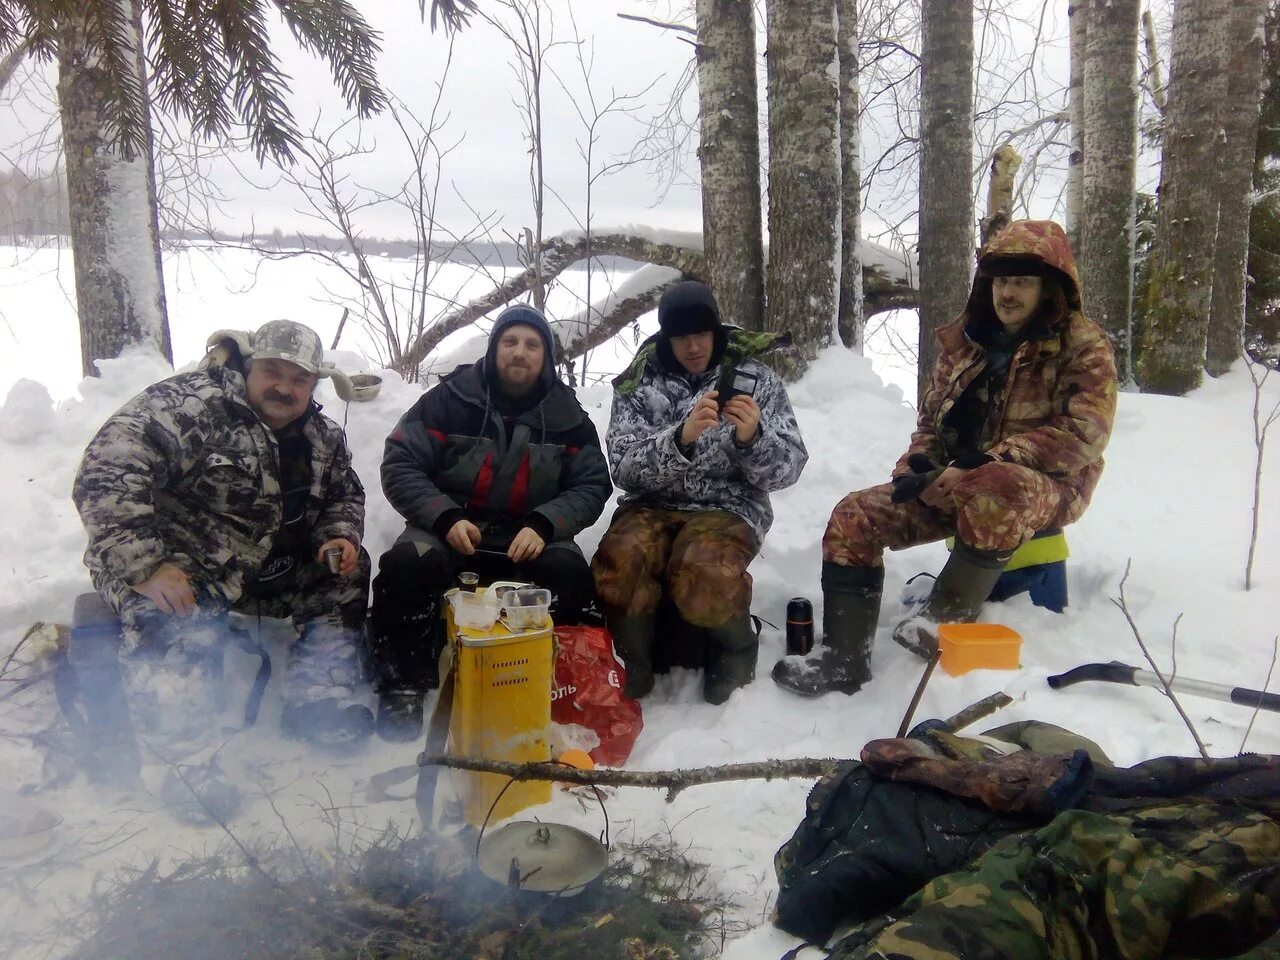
739 345
1042 243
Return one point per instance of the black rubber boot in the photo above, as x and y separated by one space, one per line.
400 715
326 721
633 642
957 597
732 662
850 609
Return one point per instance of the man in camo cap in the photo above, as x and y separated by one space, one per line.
222 489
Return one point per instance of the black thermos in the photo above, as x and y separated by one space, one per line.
799 627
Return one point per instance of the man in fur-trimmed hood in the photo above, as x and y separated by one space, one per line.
1008 443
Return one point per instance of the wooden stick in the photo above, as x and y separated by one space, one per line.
673 781
915 700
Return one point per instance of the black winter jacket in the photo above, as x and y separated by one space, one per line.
450 457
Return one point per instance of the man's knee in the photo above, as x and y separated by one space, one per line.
625 567
853 535
707 577
1001 505
412 566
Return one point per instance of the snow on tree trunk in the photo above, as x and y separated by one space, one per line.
112 205
1105 235
803 279
852 320
1235 183
729 153
946 158
1179 293
1078 12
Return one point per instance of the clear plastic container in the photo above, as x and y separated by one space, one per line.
525 608
478 610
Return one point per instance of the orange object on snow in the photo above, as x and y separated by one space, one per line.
978 646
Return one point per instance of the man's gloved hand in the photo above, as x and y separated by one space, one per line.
909 486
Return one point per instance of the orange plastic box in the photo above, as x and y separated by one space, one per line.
978 646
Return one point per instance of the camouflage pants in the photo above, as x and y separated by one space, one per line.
698 558
168 661
995 507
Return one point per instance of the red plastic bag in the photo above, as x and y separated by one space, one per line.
588 692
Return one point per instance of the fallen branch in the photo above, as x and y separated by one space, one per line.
673 781
1123 604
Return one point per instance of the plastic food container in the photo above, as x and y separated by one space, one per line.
477 610
978 646
525 608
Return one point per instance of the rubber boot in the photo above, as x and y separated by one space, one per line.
850 609
732 663
633 642
400 715
90 681
957 597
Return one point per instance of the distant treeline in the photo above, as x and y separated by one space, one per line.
34 209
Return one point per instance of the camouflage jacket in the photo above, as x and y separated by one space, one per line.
650 406
1189 879
1058 402
186 472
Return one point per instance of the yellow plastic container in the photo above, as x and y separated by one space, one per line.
978 646
501 711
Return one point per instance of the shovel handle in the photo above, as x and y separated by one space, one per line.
1255 698
1114 672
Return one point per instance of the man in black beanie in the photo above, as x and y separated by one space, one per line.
701 433
495 469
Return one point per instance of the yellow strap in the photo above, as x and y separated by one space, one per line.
1034 552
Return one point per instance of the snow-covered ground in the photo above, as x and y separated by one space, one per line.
1174 502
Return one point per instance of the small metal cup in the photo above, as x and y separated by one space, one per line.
333 559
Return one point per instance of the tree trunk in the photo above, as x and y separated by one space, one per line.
729 153
1179 293
946 157
803 281
114 223
1110 171
1078 13
852 318
1235 184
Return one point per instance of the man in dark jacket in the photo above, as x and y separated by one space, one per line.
697 467
1008 442
223 489
495 469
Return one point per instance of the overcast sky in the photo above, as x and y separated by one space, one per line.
488 168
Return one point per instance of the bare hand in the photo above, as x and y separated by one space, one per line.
464 536
169 588
350 555
938 494
744 414
526 545
705 414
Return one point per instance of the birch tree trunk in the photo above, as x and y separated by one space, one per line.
803 281
1077 12
1110 171
1235 183
729 154
946 157
112 204
1179 293
852 319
